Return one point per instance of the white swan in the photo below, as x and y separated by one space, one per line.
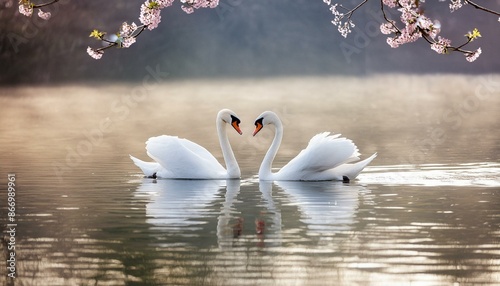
326 157
177 158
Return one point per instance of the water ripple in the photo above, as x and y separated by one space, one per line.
484 174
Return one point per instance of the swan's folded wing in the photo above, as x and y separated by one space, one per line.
182 157
323 152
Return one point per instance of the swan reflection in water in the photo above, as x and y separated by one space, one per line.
326 207
192 205
179 203
186 206
232 230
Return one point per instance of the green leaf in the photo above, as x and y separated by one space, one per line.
471 36
97 34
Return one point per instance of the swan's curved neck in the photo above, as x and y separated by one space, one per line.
233 170
265 172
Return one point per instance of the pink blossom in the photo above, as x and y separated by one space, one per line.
127 42
127 30
126 34
408 15
150 17
424 22
338 15
187 9
44 15
441 46
164 3
409 34
189 5
344 28
392 43
26 9
388 28
455 5
407 4
444 41
95 54
389 3
214 3
436 29
438 48
429 28
473 56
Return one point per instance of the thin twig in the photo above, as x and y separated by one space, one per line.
142 28
354 9
473 4
112 44
45 4
458 49
468 41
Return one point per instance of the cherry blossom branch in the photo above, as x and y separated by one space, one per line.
351 12
149 17
344 28
26 7
431 41
124 39
416 25
390 25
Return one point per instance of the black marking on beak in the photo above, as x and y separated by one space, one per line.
258 125
235 122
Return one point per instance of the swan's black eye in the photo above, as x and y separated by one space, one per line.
235 119
259 121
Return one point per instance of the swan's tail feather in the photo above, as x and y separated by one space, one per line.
351 171
148 168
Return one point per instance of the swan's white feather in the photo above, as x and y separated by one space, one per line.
181 158
178 158
324 152
326 157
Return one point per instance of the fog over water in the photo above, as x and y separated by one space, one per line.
425 211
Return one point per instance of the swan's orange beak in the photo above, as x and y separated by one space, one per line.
258 127
236 127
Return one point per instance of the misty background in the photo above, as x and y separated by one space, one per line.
240 38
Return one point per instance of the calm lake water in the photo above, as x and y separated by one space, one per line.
425 212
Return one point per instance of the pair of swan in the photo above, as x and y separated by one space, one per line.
326 157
